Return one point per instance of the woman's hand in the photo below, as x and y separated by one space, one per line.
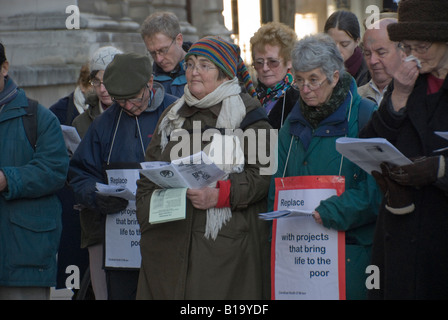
404 81
3 182
317 217
204 198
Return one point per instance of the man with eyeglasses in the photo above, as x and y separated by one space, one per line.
164 41
117 140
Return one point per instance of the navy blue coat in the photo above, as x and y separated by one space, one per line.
95 150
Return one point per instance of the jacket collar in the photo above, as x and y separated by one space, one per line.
334 125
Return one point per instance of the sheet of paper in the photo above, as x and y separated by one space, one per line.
114 191
289 213
194 172
168 205
443 134
368 154
71 138
122 236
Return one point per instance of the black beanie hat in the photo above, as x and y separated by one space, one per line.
126 75
422 20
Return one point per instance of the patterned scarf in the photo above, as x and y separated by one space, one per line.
9 91
314 115
269 95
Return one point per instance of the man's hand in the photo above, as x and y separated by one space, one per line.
204 198
3 182
110 204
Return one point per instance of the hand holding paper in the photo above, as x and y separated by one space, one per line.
195 172
115 191
368 154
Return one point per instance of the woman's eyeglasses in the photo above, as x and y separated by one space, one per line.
96 82
201 67
313 85
421 49
272 63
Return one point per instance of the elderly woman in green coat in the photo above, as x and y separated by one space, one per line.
326 110
220 250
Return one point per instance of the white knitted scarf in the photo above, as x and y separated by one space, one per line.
232 113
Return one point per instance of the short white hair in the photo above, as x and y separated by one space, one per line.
318 51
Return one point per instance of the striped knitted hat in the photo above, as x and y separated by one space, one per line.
225 56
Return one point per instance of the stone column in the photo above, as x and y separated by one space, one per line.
46 54
140 9
207 16
179 8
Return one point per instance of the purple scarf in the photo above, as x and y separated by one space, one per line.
353 63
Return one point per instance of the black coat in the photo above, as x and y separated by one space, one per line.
275 116
411 250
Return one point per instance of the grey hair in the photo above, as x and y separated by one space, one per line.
318 51
163 22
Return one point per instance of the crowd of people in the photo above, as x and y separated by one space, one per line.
129 109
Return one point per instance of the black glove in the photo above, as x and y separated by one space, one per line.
398 198
422 172
109 204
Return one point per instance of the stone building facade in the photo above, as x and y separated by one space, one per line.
47 41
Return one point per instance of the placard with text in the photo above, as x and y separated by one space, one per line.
122 242
308 259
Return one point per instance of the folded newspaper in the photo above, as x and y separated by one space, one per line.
369 153
195 172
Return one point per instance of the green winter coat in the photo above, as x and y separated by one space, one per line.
178 261
355 211
30 212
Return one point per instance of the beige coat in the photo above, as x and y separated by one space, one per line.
178 262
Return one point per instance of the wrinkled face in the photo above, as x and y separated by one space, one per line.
433 56
270 66
314 86
346 45
100 89
166 52
136 105
383 57
202 76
